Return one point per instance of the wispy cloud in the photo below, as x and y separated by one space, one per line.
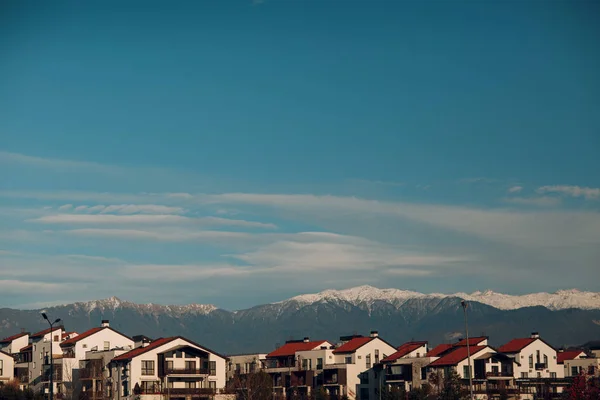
55 163
542 201
515 189
573 191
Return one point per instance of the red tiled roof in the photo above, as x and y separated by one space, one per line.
352 345
516 345
66 334
46 331
474 341
456 356
289 349
13 337
404 350
562 356
29 346
141 350
85 334
438 350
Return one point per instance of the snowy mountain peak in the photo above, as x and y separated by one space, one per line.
113 303
366 295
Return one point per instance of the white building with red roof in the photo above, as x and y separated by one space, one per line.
171 367
7 366
13 344
407 367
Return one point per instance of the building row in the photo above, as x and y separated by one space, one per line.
104 364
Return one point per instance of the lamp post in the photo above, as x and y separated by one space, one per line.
57 320
464 306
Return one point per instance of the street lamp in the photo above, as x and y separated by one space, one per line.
464 306
57 320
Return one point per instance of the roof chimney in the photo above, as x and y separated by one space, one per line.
535 335
105 323
306 339
374 334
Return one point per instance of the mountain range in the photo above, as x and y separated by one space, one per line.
563 318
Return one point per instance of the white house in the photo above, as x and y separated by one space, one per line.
7 366
74 350
534 357
42 343
564 358
172 367
407 367
13 344
358 355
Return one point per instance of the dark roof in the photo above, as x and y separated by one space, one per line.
137 338
562 356
290 348
141 350
29 346
456 356
474 341
403 350
89 333
439 350
352 345
157 343
10 355
13 337
46 331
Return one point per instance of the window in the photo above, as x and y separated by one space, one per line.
1 367
56 338
213 368
190 384
106 346
423 373
34 365
148 367
418 355
34 347
148 387
539 374
348 360
212 384
545 361
591 370
574 371
84 346
169 365
537 356
319 363
531 361
190 365
368 361
466 371
553 375
495 370
178 354
376 356
524 375
304 364
238 368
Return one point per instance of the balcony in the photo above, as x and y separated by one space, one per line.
498 375
190 392
397 377
57 375
541 366
187 371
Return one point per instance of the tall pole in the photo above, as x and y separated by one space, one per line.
51 356
464 306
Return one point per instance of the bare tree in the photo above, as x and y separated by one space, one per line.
252 386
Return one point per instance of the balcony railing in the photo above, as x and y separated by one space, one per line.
493 374
187 371
540 366
189 391
397 377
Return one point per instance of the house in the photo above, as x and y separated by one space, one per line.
13 344
7 366
172 368
407 367
94 376
458 360
241 364
569 355
536 368
357 355
42 344
74 349
293 365
578 361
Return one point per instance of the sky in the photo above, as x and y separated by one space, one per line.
243 152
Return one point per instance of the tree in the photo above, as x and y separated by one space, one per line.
452 387
435 380
584 387
10 391
422 393
393 393
252 386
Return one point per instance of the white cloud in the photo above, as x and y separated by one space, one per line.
515 189
55 163
573 191
14 286
168 235
543 201
65 207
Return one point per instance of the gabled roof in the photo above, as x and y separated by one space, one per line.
47 331
439 350
10 355
563 356
474 341
353 344
403 350
456 356
89 333
157 343
289 349
13 337
141 350
516 345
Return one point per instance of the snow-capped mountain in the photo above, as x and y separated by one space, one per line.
114 303
366 296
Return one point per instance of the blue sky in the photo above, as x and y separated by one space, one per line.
242 152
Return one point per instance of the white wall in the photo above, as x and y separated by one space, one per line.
523 359
582 364
7 367
460 367
16 345
359 366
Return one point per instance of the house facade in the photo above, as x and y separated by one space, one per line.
173 368
242 364
407 367
13 344
7 366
